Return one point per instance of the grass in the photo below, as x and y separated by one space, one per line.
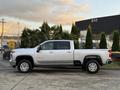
113 65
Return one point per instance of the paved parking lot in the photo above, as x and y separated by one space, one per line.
57 79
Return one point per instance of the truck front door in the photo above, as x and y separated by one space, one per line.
55 53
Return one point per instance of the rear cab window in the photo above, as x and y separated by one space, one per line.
61 45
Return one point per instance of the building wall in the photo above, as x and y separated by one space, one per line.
98 25
102 24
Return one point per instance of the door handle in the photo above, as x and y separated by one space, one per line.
51 52
69 52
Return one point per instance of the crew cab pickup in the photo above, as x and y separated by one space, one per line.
59 53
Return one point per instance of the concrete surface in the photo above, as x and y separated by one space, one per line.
57 79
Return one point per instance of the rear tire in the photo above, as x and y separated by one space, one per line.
92 66
24 66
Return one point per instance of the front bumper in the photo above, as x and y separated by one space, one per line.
109 61
12 62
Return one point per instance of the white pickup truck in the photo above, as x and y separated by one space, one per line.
59 53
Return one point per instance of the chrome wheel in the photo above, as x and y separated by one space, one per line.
92 67
24 66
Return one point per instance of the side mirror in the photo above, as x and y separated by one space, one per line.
38 49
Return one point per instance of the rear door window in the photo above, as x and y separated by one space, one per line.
61 45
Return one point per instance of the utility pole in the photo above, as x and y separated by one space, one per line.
2 21
18 41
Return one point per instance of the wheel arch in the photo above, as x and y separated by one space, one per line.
93 57
22 57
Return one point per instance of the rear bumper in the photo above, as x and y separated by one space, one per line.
109 61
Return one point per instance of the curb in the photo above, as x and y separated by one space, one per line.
110 68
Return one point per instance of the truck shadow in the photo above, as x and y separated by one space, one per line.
58 70
66 71
69 71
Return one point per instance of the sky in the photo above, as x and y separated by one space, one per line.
32 13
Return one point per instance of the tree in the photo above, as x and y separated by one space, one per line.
66 36
75 34
45 30
88 42
36 37
31 38
25 38
103 43
56 32
115 45
53 32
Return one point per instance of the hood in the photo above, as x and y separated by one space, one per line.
23 50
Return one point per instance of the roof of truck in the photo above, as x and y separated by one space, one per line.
59 40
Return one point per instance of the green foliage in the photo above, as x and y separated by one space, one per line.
45 30
103 43
53 32
88 42
31 38
115 45
76 44
56 32
24 38
66 36
75 34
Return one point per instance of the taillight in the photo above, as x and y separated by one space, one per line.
110 53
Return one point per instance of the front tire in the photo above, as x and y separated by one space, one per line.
24 66
92 66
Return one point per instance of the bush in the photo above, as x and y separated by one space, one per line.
103 43
115 45
88 42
